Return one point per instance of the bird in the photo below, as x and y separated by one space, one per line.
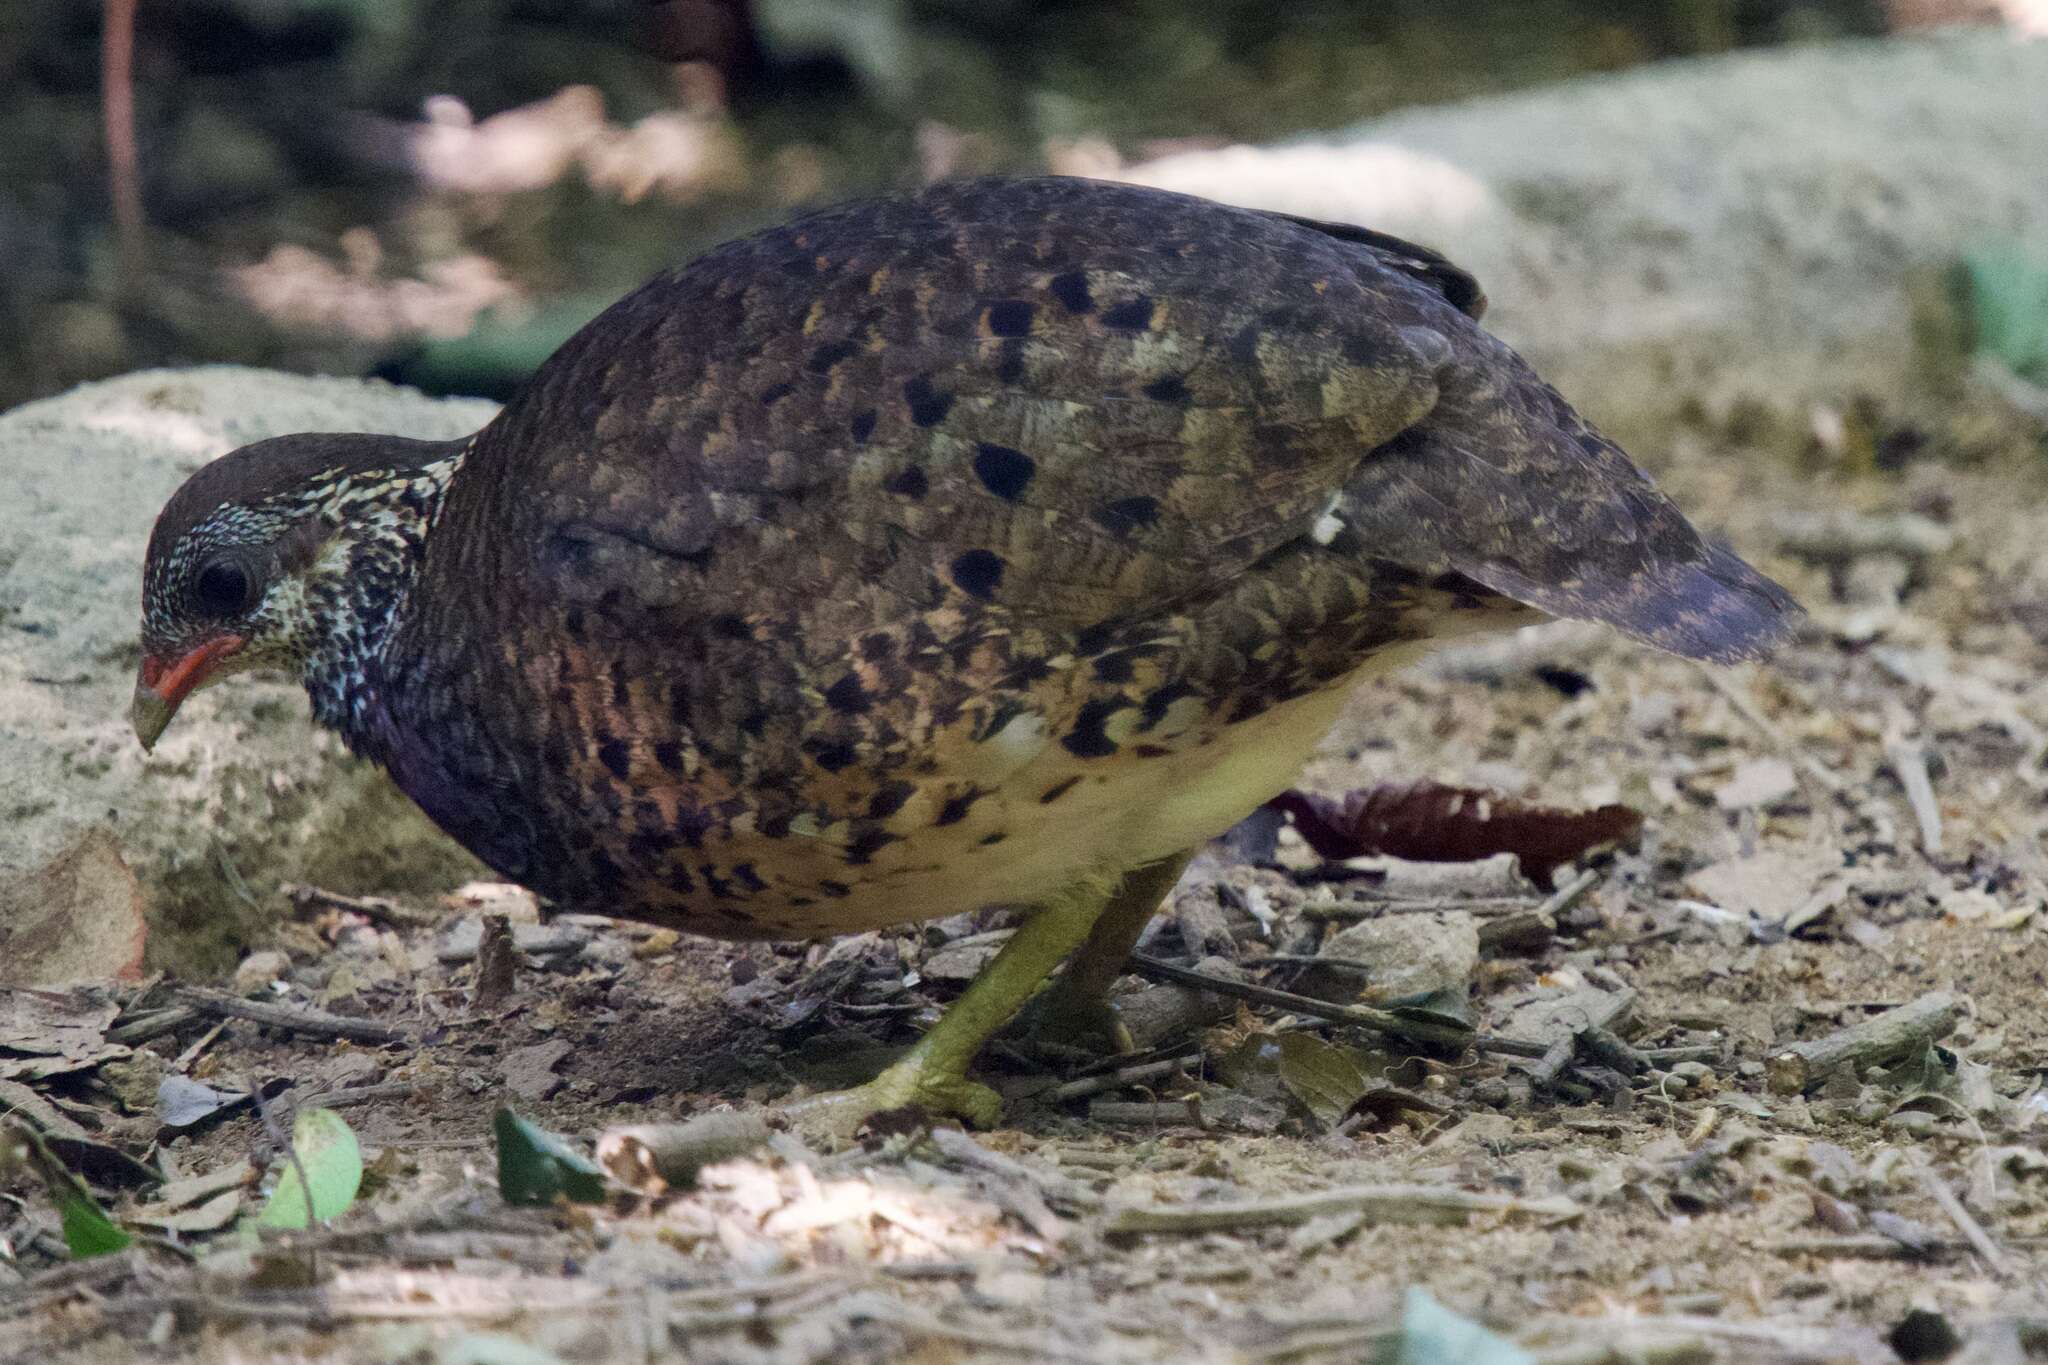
997 543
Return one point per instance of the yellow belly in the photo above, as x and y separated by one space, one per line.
1123 812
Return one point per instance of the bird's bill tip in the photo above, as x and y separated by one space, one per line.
150 714
166 681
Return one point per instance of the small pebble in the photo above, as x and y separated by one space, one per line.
258 970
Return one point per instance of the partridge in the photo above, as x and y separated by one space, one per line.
994 544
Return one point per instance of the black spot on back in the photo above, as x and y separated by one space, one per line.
928 406
836 890
830 354
862 426
978 573
729 626
1071 289
1006 472
1010 368
1168 388
744 874
910 482
877 645
1127 515
1115 667
1092 640
614 754
848 695
775 393
1009 318
1243 346
669 755
995 838
833 757
1132 314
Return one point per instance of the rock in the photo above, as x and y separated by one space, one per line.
1397 957
258 970
1769 884
242 779
529 1072
1757 784
79 917
1729 229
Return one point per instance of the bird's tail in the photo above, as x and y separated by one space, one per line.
1502 482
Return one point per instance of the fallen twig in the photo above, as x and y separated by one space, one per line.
1116 1080
1945 1198
1362 1016
1598 1019
956 1146
298 1019
1148 1112
1779 741
1836 538
152 1024
1878 1039
652 1157
1441 1205
380 909
1908 760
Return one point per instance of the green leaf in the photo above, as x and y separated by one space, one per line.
1432 1334
87 1229
534 1166
333 1163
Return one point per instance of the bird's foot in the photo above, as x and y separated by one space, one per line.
913 1083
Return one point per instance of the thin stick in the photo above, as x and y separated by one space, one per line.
1908 760
1361 1016
1779 741
1937 1189
268 1116
1115 1080
1877 1039
1434 1204
312 1022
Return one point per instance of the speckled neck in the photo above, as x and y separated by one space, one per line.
356 593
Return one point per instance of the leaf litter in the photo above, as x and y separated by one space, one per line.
1759 1080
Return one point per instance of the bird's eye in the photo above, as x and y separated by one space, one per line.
222 588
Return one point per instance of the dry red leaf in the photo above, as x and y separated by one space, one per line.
1430 822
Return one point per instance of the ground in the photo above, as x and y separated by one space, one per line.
1852 827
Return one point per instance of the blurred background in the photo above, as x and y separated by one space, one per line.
439 191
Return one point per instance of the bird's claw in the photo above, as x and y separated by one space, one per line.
839 1114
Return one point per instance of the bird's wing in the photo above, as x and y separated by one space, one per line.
1072 403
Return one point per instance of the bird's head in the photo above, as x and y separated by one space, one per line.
265 557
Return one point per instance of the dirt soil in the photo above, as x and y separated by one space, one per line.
1852 828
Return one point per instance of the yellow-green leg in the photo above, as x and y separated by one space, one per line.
1075 1009
933 1074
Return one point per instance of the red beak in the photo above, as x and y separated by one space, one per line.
163 686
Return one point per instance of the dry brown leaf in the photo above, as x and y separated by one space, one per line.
1431 822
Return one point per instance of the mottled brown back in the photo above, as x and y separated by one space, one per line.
785 537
